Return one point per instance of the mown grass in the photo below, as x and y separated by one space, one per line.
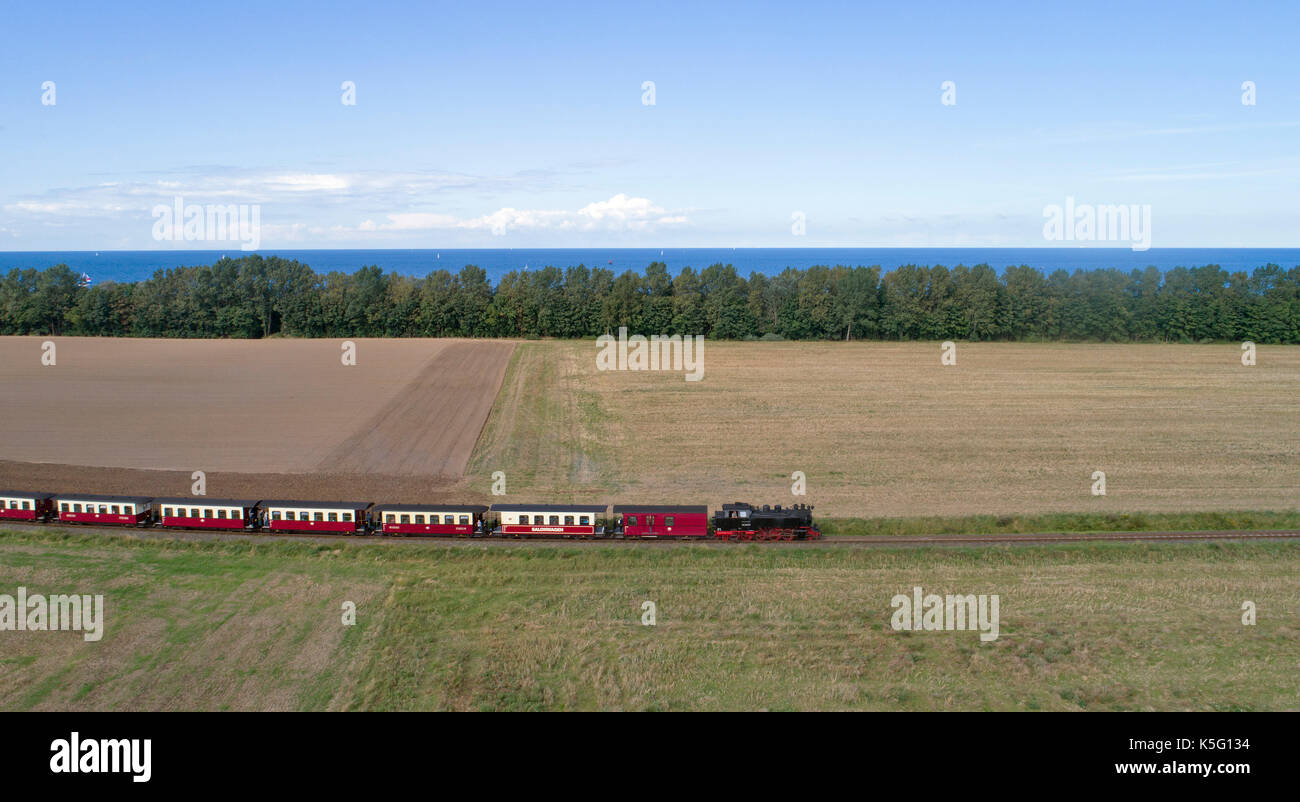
251 625
1063 522
548 431
189 625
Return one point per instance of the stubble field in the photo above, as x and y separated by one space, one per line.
884 430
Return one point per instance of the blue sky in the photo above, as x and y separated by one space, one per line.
522 125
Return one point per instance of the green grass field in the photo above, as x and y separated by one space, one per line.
257 625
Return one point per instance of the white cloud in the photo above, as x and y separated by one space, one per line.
619 213
302 189
297 205
302 206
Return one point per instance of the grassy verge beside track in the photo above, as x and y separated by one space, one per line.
1062 522
248 624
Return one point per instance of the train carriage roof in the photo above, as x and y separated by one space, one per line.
477 508
189 501
549 507
24 494
316 505
680 509
97 497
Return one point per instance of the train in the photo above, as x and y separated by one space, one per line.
736 522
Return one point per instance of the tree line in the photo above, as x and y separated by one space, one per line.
253 297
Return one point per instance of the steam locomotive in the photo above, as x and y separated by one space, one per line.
741 521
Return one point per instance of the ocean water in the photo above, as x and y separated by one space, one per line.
138 265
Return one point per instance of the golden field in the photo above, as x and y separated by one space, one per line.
883 429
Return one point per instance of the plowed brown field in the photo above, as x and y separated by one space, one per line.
242 410
431 425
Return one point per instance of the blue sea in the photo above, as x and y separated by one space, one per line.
138 265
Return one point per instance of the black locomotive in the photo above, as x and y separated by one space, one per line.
741 521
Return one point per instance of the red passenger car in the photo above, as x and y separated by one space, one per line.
550 520
429 519
24 506
200 512
659 520
345 517
85 508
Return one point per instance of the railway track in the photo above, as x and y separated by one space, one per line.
857 541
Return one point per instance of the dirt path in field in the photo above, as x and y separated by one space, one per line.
430 427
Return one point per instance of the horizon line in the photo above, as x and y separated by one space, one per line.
237 252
